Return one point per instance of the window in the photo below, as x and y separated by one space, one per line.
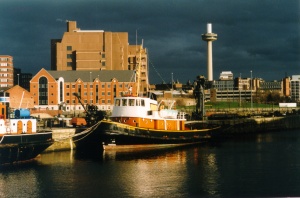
43 91
117 102
103 63
69 56
103 55
69 64
124 102
69 48
61 91
131 102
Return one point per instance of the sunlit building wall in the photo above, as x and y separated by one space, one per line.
89 50
6 71
295 88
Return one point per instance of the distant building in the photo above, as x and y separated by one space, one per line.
286 86
22 79
242 83
6 71
295 88
54 90
226 75
223 84
271 86
94 50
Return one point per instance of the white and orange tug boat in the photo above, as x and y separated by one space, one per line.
143 122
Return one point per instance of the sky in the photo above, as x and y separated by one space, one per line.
262 36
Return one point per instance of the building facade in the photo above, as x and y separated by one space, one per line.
295 88
22 79
286 86
54 90
94 50
6 71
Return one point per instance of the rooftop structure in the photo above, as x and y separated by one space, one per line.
226 75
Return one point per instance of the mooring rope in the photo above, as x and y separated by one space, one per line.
86 131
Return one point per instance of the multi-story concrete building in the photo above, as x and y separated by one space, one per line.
271 86
6 71
295 88
223 84
22 79
94 50
54 90
242 83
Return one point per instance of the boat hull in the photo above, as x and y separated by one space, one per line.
22 147
110 133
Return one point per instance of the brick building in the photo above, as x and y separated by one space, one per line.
20 98
94 50
54 90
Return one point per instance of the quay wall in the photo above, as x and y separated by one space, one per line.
62 139
258 125
231 127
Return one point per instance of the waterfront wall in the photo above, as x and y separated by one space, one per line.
258 125
63 139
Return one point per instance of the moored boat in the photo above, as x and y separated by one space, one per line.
19 138
143 122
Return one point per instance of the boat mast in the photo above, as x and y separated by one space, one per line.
138 71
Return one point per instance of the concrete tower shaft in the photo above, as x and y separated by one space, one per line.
209 37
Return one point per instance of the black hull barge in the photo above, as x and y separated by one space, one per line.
22 147
19 138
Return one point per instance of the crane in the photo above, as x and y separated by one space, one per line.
92 113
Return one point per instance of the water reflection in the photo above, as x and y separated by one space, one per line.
236 167
150 173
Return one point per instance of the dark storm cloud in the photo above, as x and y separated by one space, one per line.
262 36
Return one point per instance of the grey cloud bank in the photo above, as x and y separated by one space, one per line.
262 36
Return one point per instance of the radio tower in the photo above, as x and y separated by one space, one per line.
209 37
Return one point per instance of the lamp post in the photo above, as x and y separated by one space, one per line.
172 85
251 88
18 78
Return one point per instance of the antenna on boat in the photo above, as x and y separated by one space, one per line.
138 71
